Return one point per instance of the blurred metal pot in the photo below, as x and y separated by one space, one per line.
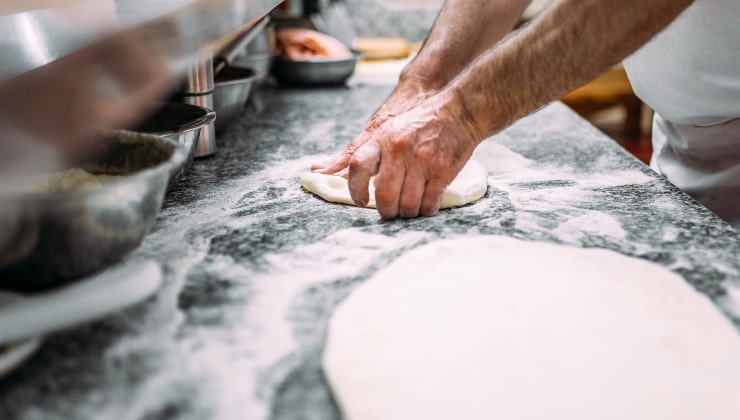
181 123
50 238
317 72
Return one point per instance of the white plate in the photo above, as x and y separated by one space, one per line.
77 303
12 355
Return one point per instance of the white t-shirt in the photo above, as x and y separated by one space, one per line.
690 75
690 72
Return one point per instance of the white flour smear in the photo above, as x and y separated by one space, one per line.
593 223
499 159
320 131
223 368
731 301
538 191
670 234
207 364
352 251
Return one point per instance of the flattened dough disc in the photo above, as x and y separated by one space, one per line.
497 328
469 186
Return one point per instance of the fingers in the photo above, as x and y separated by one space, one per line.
388 186
362 166
432 197
411 194
344 173
340 161
398 190
336 163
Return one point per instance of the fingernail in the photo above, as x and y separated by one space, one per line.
433 212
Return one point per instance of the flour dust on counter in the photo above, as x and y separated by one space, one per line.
494 327
469 186
254 266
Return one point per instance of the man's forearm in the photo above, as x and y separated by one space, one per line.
462 31
572 42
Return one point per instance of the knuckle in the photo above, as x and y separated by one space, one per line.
355 164
427 154
397 144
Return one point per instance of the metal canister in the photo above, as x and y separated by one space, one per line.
198 90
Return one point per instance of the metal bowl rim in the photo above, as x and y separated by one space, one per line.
208 117
253 75
177 158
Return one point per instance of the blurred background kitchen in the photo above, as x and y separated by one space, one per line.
149 155
387 32
177 75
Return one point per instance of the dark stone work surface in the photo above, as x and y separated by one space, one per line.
254 265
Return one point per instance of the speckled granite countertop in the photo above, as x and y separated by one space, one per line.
254 265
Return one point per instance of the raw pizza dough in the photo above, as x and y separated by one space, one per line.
497 328
469 186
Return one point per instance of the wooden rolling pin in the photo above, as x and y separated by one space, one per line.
383 48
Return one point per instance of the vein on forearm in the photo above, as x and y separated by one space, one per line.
462 31
569 44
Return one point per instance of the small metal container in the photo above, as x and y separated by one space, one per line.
260 62
233 85
51 238
181 123
316 72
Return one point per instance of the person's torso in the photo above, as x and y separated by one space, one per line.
690 72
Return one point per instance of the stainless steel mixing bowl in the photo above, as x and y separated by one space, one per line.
50 238
233 85
181 123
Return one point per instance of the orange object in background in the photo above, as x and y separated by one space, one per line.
297 44
384 48
612 90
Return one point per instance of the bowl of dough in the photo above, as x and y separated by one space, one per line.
57 227
309 57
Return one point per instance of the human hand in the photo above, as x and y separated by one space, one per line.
415 155
404 97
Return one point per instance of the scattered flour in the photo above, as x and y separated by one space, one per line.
223 368
731 301
592 223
